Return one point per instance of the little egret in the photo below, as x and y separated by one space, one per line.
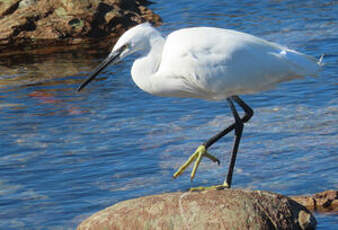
208 63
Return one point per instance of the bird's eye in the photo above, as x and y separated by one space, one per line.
125 46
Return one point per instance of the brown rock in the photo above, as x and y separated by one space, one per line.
326 201
224 209
31 24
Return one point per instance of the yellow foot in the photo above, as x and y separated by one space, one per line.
215 187
197 157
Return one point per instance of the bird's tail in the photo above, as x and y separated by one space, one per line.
320 61
304 65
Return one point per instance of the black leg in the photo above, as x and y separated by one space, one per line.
238 134
201 151
238 126
248 111
248 114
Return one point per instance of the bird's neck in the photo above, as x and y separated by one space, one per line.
145 67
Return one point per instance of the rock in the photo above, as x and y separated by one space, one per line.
326 201
31 24
213 209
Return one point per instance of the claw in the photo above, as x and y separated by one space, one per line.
215 187
197 162
197 157
211 157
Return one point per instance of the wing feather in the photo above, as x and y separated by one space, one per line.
218 63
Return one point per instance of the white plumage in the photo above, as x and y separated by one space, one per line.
208 63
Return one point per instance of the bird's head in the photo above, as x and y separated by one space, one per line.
133 40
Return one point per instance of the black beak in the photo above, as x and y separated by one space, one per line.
112 58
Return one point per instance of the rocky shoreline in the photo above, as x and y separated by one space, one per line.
30 25
213 209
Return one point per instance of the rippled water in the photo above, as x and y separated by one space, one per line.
65 155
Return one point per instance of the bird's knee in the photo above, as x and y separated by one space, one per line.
248 114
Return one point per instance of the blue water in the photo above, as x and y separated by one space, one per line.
65 155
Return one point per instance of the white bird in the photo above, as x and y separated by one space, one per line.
208 63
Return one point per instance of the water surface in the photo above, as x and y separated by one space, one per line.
65 155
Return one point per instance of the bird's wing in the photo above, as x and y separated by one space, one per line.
218 63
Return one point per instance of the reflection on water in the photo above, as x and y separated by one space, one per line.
32 69
65 155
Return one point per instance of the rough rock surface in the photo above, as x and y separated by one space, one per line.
326 201
31 24
223 209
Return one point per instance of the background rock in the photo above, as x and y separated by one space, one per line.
326 201
31 24
224 209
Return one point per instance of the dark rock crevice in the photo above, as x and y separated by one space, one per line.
98 24
11 9
28 26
